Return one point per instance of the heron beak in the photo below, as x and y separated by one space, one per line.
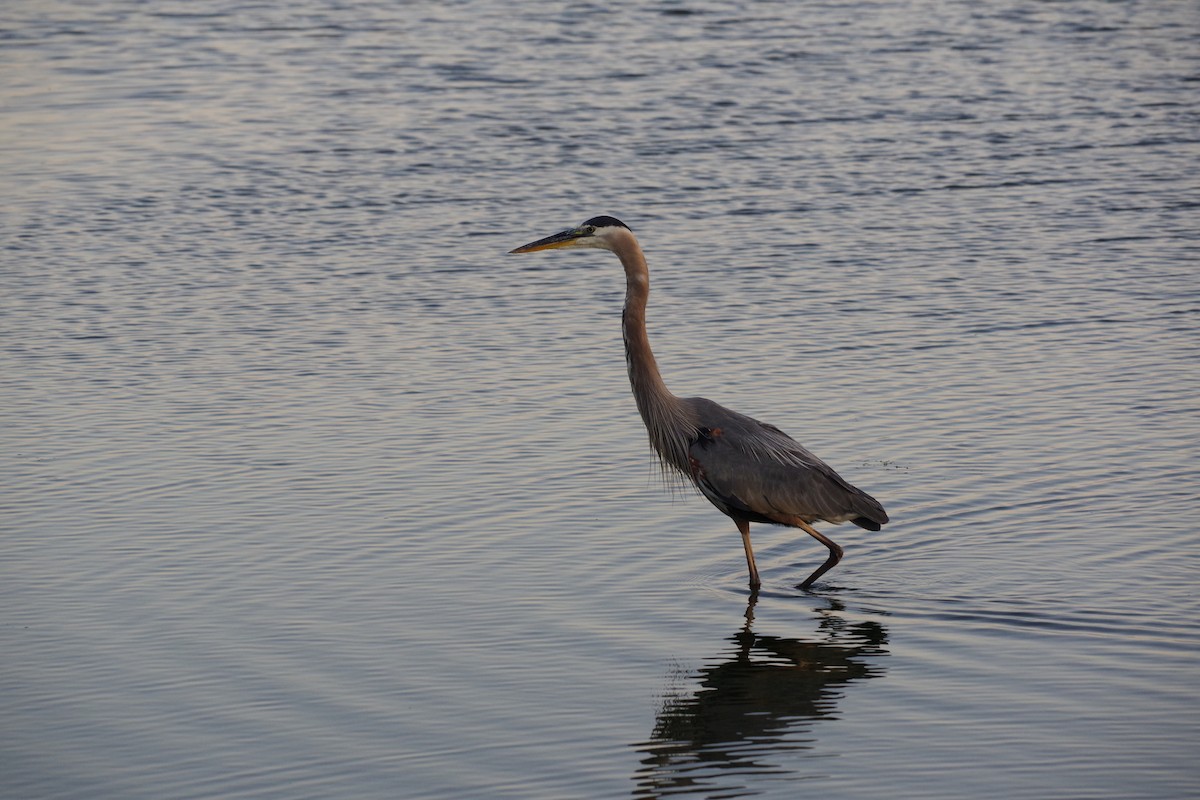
563 239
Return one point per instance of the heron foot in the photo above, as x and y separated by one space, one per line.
835 555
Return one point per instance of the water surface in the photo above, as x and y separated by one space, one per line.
312 491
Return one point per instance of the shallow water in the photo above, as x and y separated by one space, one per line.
312 491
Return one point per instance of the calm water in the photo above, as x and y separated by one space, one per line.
310 491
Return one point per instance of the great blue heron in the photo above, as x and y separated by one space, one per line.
751 471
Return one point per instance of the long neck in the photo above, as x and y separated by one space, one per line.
667 419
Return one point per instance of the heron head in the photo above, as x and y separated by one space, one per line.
597 232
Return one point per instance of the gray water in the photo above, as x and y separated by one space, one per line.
310 491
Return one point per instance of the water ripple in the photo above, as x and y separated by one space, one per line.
311 490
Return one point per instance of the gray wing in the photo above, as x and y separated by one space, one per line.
750 469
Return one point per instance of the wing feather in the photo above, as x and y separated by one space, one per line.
751 469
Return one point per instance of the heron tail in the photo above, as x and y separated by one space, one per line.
870 512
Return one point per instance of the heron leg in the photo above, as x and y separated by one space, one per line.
835 553
744 528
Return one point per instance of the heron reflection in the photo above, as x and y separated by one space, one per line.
760 700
